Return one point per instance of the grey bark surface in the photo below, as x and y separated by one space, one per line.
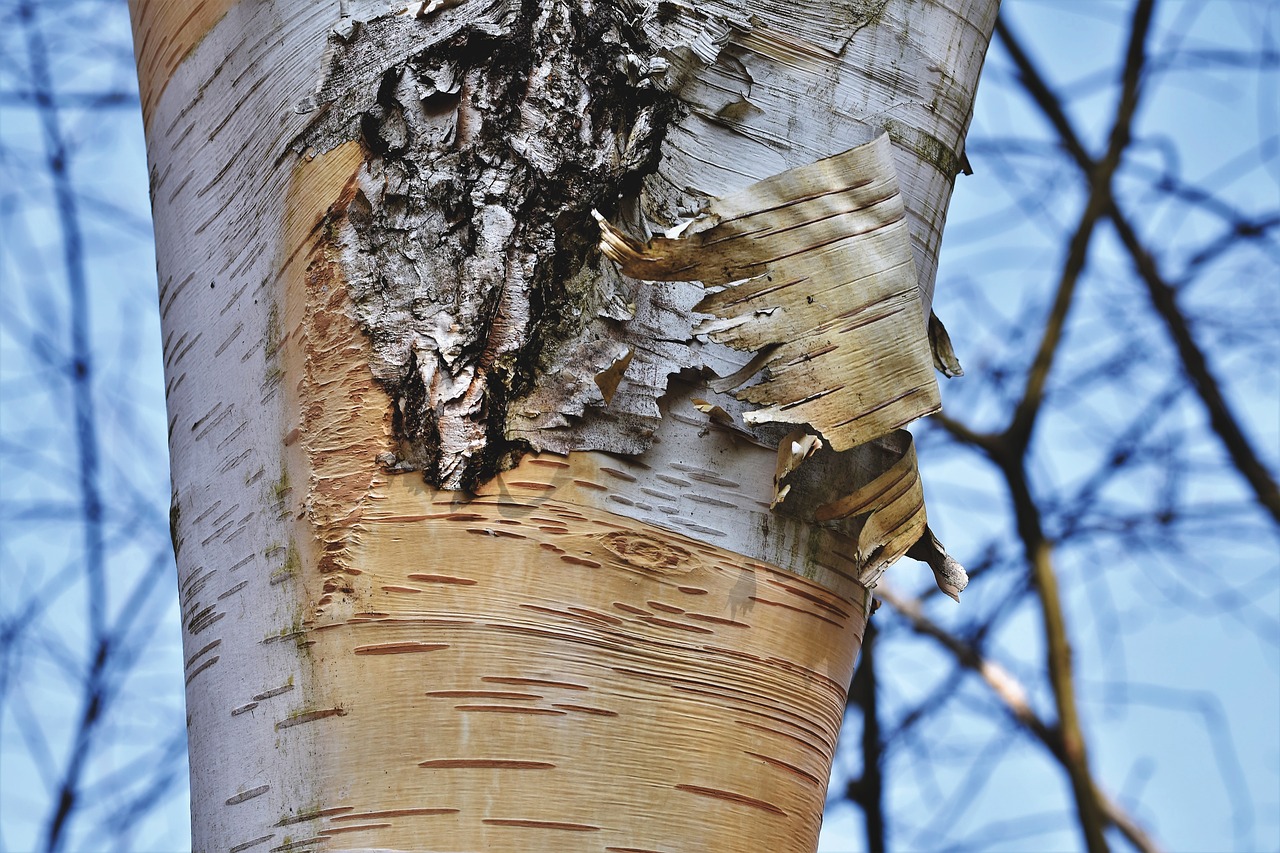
472 259
493 130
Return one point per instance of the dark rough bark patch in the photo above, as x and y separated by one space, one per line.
491 130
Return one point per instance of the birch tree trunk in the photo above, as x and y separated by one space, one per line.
500 525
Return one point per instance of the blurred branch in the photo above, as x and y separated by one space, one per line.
74 100
868 790
1162 295
1039 553
1009 450
1100 174
1013 696
81 377
1221 418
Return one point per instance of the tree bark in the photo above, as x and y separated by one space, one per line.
475 549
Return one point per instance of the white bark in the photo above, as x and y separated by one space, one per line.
240 97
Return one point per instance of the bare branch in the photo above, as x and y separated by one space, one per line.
1013 696
1099 202
1010 451
868 790
1163 297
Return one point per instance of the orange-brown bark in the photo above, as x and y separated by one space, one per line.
521 668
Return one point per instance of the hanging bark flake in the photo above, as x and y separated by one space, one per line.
810 273
504 319
817 280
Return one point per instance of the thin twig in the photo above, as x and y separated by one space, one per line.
1013 696
81 376
1163 297
1221 418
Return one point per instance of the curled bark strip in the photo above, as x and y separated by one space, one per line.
814 275
874 494
816 263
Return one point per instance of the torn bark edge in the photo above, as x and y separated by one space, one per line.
872 494
944 356
797 446
888 502
947 571
884 510
811 271
754 244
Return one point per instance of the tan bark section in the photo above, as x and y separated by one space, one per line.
339 410
522 673
164 32
522 669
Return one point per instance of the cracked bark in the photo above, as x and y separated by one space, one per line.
395 278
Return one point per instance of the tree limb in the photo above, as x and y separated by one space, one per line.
1194 363
1100 176
1013 696
95 693
868 790
1010 452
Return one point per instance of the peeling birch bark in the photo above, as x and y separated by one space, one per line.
378 264
817 284
815 266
